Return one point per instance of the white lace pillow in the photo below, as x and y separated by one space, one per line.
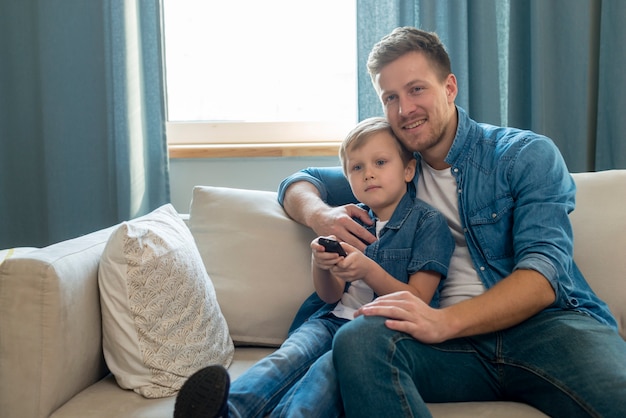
160 317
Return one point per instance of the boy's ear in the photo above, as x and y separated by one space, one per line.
409 170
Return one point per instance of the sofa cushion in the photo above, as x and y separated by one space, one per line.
160 318
259 260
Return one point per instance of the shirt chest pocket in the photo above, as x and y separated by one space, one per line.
492 227
395 262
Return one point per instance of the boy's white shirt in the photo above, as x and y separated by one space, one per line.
358 294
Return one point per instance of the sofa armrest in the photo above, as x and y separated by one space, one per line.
50 326
599 222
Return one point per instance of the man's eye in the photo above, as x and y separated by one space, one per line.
389 98
416 90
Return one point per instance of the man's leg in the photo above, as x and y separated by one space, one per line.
566 364
387 373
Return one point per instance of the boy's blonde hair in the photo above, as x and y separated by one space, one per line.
362 132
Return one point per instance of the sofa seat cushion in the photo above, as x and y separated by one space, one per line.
105 399
160 317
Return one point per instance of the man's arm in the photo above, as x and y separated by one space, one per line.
303 204
511 301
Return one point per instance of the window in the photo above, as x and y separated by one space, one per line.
251 71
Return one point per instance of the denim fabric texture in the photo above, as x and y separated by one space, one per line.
560 362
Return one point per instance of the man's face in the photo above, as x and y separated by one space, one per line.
418 105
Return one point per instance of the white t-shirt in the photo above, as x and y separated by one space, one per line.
439 189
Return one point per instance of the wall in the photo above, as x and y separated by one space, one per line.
242 173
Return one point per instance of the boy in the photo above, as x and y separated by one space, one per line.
412 253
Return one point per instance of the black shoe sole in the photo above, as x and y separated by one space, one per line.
204 394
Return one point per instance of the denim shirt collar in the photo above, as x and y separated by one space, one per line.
462 139
400 214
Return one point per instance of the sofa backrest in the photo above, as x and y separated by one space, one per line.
599 223
247 241
257 257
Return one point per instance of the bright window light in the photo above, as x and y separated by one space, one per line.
261 62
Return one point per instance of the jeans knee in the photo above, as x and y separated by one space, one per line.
363 331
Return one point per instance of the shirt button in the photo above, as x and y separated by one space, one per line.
459 191
456 170
482 268
494 215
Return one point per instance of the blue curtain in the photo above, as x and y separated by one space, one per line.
82 117
555 67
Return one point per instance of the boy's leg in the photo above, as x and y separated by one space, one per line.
315 395
259 389
565 364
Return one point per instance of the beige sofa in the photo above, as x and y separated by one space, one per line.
51 358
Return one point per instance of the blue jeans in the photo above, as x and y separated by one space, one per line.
565 364
297 380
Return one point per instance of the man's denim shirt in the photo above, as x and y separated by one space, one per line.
515 195
416 238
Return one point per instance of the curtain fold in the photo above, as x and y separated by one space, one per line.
555 67
82 117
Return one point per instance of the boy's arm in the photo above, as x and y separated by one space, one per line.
422 284
358 266
328 287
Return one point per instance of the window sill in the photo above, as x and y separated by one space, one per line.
305 149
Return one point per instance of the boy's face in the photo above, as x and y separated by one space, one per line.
418 105
377 174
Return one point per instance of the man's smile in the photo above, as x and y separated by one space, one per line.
415 124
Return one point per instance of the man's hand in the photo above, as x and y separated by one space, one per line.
303 204
512 300
408 313
339 222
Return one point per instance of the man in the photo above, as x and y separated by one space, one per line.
517 320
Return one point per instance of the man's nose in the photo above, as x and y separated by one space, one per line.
405 106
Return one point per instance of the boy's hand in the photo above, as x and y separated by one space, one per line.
355 266
322 258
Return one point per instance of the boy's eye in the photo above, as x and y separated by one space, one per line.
380 162
356 167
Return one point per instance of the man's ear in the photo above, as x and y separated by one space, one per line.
451 87
409 170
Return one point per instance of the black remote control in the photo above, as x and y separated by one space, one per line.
332 246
